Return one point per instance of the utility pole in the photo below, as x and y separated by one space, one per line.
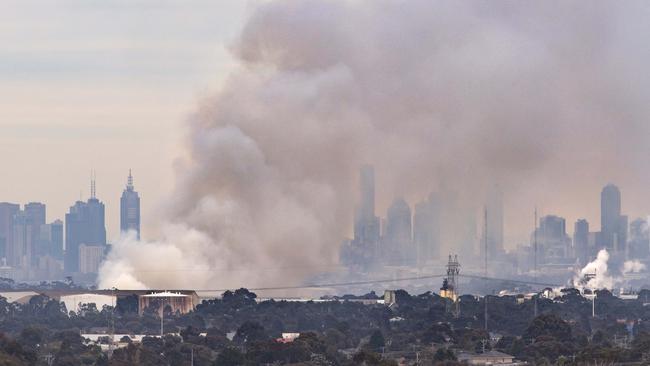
162 316
485 233
535 255
111 326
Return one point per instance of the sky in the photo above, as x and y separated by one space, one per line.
104 85
437 95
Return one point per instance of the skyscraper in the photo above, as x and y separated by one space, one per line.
51 239
366 224
639 239
24 242
553 244
494 208
581 241
36 212
130 209
613 225
84 224
398 240
7 212
423 231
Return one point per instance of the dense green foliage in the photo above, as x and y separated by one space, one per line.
341 332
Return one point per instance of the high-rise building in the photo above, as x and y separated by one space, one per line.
426 228
494 208
51 240
553 244
24 242
581 241
366 224
90 258
7 213
398 243
36 212
639 239
613 225
84 224
130 209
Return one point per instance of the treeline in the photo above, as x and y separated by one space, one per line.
238 330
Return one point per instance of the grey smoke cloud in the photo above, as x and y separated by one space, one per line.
548 100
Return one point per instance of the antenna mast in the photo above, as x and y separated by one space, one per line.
93 177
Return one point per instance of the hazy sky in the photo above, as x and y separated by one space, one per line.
104 85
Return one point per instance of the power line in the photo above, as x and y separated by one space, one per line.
370 282
547 284
321 285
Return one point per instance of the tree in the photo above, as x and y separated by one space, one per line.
376 341
229 357
549 325
250 331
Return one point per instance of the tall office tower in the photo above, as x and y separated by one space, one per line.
639 239
366 224
24 241
553 244
613 226
581 241
51 239
422 231
84 224
398 240
130 209
426 228
494 208
36 212
7 213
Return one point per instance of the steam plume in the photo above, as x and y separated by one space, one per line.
547 99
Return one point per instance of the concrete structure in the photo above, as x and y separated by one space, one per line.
74 302
130 209
487 358
184 301
177 301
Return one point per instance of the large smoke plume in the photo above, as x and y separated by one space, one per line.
547 99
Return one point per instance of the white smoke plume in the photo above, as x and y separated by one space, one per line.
633 266
603 278
599 268
436 94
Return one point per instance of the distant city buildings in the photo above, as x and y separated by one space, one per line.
414 236
31 249
130 209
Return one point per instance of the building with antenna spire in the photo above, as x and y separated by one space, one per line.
130 209
85 229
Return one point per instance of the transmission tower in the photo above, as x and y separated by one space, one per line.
450 283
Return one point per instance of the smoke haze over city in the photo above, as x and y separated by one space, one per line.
547 100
